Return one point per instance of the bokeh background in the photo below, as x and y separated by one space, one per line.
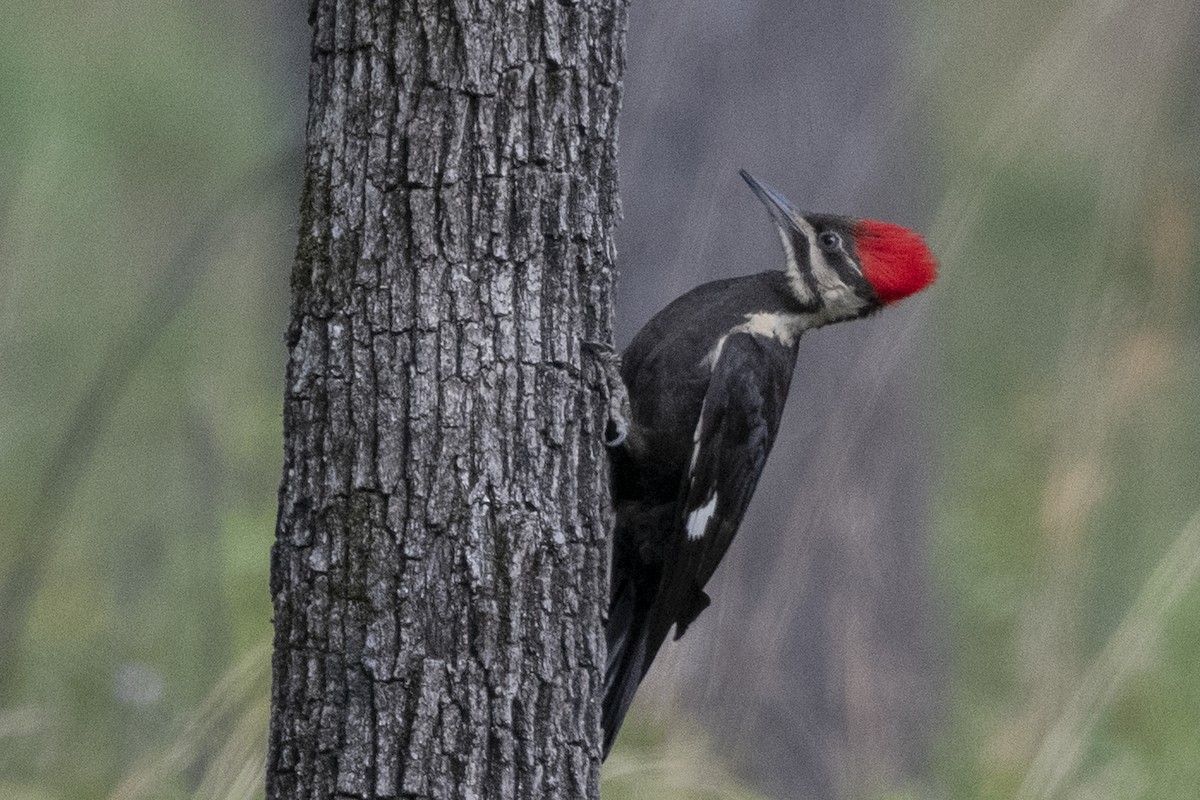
971 570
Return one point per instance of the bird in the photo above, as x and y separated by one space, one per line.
707 379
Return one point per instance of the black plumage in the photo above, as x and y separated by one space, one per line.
707 378
700 435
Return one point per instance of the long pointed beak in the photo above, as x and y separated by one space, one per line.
782 211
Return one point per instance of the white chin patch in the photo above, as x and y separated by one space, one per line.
697 521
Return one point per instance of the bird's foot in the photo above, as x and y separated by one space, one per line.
617 424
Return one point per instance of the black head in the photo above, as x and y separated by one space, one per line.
823 265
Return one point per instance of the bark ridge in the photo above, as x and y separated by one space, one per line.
440 566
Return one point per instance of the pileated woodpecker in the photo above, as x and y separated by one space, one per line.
707 379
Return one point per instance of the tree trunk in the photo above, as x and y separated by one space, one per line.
440 569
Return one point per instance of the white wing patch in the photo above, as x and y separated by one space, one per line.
714 355
696 434
779 325
782 327
785 328
697 521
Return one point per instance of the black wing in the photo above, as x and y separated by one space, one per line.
738 422
737 427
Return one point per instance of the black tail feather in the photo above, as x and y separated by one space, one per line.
627 663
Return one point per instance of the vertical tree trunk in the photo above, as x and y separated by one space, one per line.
439 571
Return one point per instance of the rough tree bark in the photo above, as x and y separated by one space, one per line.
439 571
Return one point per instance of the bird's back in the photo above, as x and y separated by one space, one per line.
668 364
668 368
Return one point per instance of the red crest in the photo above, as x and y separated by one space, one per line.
895 260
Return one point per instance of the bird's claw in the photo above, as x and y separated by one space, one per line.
619 430
616 428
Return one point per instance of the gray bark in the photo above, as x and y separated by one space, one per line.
440 570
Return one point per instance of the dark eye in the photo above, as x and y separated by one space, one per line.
829 240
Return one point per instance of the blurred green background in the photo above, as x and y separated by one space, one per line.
150 157
147 214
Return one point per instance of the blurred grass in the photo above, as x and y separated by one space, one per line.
145 238
1068 335
665 755
139 135
231 722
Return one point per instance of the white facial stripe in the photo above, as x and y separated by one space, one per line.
838 297
697 521
793 265
825 275
789 251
